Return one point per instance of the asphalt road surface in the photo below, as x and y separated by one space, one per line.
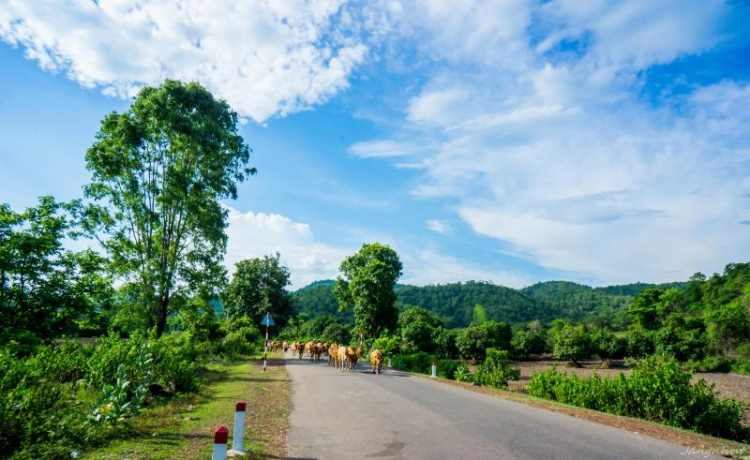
394 415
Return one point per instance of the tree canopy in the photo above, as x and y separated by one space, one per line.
259 286
366 284
159 171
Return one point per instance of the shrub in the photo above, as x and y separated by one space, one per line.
418 362
446 368
463 374
657 389
235 344
474 340
572 344
495 370
390 346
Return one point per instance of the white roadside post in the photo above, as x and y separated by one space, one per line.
221 436
238 441
434 369
389 362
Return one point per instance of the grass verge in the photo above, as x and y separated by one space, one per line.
183 428
695 444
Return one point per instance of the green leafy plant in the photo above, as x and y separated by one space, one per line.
495 370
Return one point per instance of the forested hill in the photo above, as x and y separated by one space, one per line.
456 303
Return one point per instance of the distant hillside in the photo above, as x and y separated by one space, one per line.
578 302
317 299
317 283
454 303
635 288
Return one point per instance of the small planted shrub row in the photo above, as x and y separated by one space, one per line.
657 389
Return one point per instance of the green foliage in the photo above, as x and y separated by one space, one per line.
454 303
318 300
367 282
445 343
46 291
640 343
446 368
117 403
657 389
529 342
336 333
572 343
474 340
495 370
418 329
257 287
607 345
479 315
159 172
463 374
389 345
417 362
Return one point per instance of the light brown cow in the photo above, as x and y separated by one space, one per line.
286 346
295 348
352 356
376 361
341 360
310 349
333 355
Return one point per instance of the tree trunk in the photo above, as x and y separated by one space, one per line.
161 320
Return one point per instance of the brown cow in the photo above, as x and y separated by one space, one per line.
376 361
286 346
295 348
310 349
352 356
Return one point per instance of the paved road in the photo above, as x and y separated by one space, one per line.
397 416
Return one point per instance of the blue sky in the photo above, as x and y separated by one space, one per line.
512 141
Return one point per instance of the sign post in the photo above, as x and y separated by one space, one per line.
267 321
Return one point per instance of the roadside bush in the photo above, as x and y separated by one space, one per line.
390 346
235 344
446 368
463 374
657 389
418 362
495 370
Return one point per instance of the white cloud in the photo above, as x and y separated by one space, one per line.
265 57
438 226
259 234
384 149
430 267
556 156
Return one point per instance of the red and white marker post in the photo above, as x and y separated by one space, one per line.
238 441
265 352
221 436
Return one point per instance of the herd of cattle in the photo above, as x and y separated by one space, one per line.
341 357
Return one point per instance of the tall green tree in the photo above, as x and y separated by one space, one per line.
258 286
366 284
159 173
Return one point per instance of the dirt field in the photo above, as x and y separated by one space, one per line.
732 386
